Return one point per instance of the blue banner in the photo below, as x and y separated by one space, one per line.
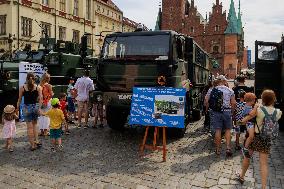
161 106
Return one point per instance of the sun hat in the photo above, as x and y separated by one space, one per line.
54 101
221 77
9 109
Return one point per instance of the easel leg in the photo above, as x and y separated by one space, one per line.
155 138
142 148
164 144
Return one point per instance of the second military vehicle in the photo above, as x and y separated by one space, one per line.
149 59
269 70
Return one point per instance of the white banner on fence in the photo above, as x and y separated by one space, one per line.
26 67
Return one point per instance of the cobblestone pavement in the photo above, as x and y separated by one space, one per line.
104 159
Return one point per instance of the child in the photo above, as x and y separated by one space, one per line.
250 100
56 120
98 111
239 127
63 107
71 100
9 129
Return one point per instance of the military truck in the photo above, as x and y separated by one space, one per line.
149 59
62 62
269 70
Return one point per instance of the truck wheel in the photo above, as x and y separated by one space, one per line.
116 118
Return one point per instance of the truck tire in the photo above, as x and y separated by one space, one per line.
116 117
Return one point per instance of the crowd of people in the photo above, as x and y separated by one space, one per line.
239 109
47 115
225 109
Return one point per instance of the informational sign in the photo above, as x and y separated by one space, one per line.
26 67
161 106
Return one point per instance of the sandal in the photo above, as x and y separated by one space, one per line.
229 153
38 144
11 149
33 148
240 179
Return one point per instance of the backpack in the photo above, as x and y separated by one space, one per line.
216 100
270 128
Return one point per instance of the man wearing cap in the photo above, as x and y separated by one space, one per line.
222 120
83 86
241 87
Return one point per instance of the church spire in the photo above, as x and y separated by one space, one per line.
232 20
240 24
159 19
217 2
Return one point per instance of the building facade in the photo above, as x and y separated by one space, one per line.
220 35
26 21
130 25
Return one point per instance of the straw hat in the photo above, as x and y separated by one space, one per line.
9 109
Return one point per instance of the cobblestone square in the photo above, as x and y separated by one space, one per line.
105 159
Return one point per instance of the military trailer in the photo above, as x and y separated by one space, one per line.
269 70
149 59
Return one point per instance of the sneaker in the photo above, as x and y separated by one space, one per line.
86 126
79 125
67 133
245 153
53 149
71 122
11 149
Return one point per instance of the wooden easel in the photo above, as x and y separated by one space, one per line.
154 146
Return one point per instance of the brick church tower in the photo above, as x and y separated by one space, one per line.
220 36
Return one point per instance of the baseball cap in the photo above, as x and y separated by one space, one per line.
54 101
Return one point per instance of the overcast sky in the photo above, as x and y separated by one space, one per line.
263 20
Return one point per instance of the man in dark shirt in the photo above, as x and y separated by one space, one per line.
241 86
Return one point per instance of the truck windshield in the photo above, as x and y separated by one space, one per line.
154 47
267 52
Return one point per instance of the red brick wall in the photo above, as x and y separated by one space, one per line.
230 57
245 59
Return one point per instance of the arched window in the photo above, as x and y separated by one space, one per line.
216 49
192 29
217 28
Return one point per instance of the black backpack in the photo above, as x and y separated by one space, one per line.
216 100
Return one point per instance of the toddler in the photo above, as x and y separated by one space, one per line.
9 129
56 120
250 100
63 107
71 100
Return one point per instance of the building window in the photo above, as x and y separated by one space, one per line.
230 66
62 5
112 26
106 24
76 36
45 2
62 33
26 27
2 24
192 29
107 12
217 28
76 8
88 9
215 49
46 28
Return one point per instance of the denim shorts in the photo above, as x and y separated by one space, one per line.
55 133
71 105
30 112
221 120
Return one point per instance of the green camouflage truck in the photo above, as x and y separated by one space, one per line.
149 59
62 63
